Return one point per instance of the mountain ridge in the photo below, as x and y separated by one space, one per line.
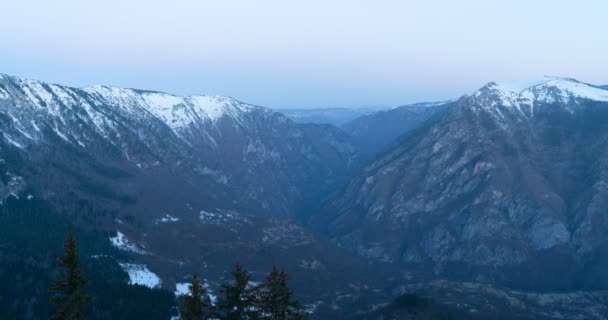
212 135
495 189
490 188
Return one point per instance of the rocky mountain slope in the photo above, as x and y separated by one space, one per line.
495 188
507 184
230 149
442 299
174 185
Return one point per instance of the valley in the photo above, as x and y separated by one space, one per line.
466 202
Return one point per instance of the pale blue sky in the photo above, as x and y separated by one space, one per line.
305 53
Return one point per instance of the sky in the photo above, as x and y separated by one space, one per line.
305 54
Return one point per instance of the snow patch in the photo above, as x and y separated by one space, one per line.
312 308
4 95
139 274
219 217
167 219
122 243
13 142
35 126
182 289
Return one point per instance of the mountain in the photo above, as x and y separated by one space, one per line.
441 299
411 307
508 186
234 150
333 116
374 132
371 130
500 191
161 186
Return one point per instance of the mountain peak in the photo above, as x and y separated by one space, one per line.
522 85
182 114
547 90
168 107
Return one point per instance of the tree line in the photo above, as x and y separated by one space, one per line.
240 299
243 300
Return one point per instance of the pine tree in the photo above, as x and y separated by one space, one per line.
239 301
196 305
276 299
66 293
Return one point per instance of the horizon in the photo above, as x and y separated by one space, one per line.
513 85
306 56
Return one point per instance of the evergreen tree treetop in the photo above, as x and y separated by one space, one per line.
196 305
66 293
239 301
277 301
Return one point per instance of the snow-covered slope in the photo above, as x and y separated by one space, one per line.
230 145
62 109
525 97
177 112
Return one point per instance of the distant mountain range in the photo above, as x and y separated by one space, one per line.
333 116
374 132
372 129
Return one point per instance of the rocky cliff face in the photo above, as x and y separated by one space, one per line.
506 184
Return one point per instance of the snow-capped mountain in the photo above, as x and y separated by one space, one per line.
227 145
173 184
497 188
494 187
181 114
526 97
